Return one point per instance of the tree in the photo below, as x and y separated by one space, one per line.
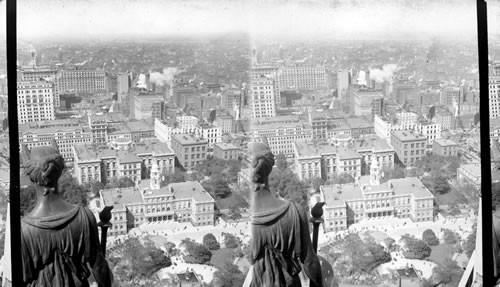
415 248
432 112
390 173
430 238
177 176
288 186
231 241
210 242
230 276
446 273
470 243
389 243
218 187
450 236
438 184
196 253
363 256
316 183
135 262
281 162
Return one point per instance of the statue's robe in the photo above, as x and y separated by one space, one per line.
281 247
55 249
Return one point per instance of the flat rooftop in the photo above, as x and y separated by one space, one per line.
119 197
188 139
408 136
226 146
445 142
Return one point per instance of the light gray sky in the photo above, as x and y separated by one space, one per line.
312 18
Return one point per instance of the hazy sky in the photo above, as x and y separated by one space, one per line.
313 18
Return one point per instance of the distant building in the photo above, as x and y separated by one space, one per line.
101 163
444 147
262 94
327 162
231 98
360 126
494 89
366 102
226 151
213 134
37 74
35 101
409 146
347 204
281 133
404 91
302 78
449 95
189 149
430 130
343 82
148 202
66 137
226 123
470 174
147 106
270 72
444 118
123 84
184 96
81 81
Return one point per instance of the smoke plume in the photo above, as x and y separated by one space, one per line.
166 77
385 74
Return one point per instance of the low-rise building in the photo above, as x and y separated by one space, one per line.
226 151
347 204
444 147
189 149
148 202
409 146
469 174
430 130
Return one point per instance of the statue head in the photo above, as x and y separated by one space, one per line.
262 162
43 165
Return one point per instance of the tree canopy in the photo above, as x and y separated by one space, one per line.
231 241
135 262
363 255
229 276
210 242
195 252
288 186
430 238
450 236
415 248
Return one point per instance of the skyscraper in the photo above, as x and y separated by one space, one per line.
35 101
263 97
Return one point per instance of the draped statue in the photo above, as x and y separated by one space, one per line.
59 241
281 246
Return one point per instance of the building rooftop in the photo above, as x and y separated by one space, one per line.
348 154
373 142
188 139
127 157
445 142
138 126
308 149
119 197
338 194
226 146
358 122
413 185
408 136
190 189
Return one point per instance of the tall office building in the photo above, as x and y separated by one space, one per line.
35 101
263 97
35 74
343 82
81 81
122 83
494 88
302 78
271 72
